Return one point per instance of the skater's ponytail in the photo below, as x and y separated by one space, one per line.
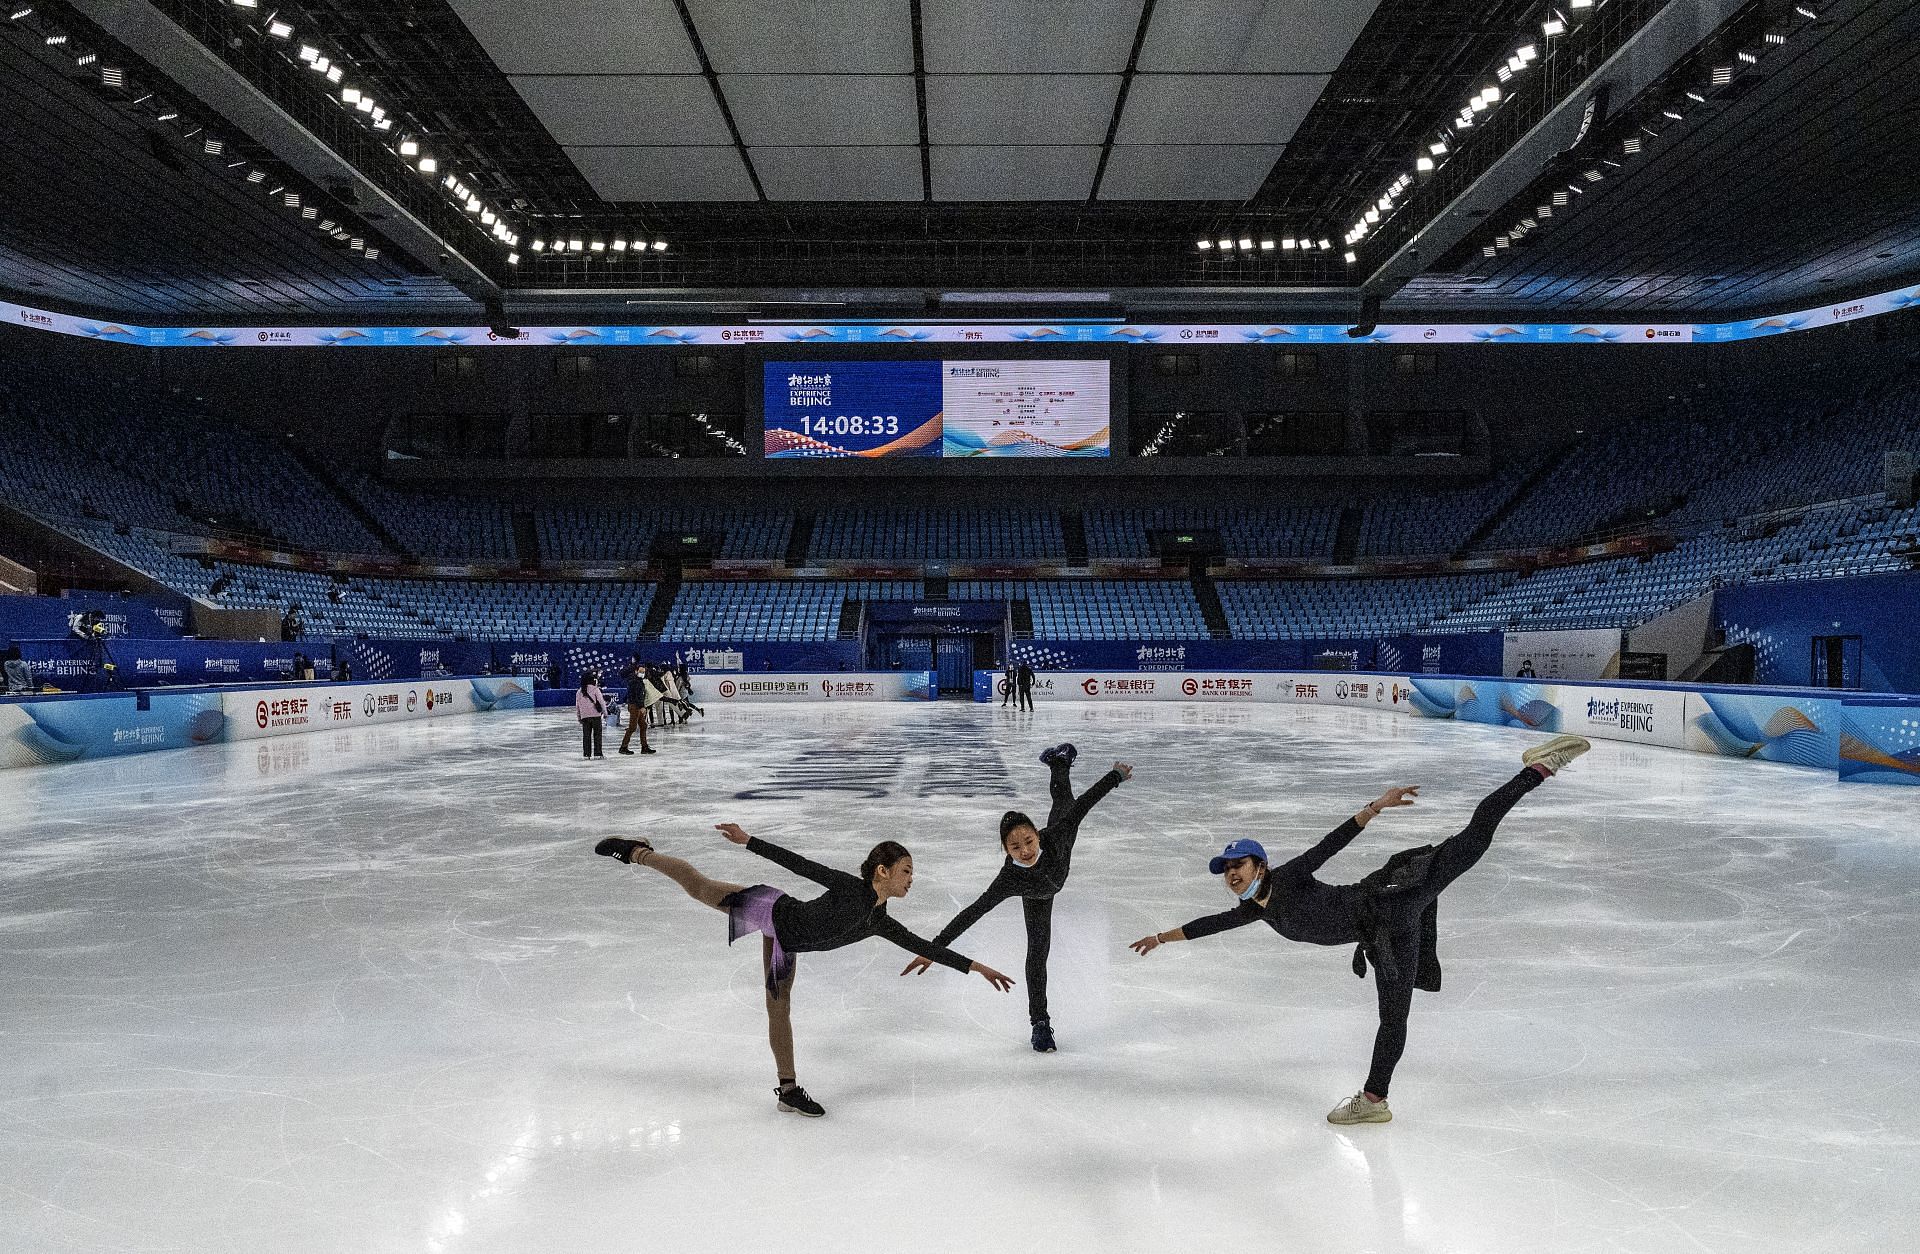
886 853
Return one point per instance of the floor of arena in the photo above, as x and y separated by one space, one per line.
369 991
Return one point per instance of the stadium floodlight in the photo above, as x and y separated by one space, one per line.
1246 244
1372 216
1266 245
279 29
350 95
246 4
1722 75
409 148
256 176
598 246
513 259
308 54
1580 4
1203 244
1326 245
335 74
1351 258
659 245
1226 245
574 245
620 245
538 245
1526 53
214 147
112 76
1424 165
23 11
1805 12
372 254
1438 150
320 65
1553 26
364 104
428 165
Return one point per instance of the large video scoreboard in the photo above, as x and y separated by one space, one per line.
956 409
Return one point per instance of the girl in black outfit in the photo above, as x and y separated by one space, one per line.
1036 868
1390 916
852 909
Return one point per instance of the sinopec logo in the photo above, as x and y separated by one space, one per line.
1190 686
260 715
1091 687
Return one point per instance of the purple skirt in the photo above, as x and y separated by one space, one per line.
751 910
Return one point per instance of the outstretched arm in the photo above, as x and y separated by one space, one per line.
890 928
997 891
825 876
1340 837
1207 925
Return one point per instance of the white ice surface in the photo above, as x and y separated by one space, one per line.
369 991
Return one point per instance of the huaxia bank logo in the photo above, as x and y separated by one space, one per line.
1634 716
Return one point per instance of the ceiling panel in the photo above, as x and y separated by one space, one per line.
1217 108
827 110
625 109
805 36
581 36
1001 173
1243 37
1172 172
658 173
839 174
1020 109
1020 37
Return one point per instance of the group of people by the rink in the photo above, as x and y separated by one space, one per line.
654 694
1016 686
1390 916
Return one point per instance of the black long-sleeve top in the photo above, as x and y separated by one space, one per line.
848 911
1298 906
1045 877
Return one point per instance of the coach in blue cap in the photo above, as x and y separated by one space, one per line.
1390 916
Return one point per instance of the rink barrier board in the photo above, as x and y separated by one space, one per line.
1862 737
42 731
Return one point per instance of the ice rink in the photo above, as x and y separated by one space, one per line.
369 991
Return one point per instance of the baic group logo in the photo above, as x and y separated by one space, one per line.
368 705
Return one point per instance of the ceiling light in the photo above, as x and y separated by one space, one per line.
54 41
1438 150
1488 250
575 245
112 76
335 74
1696 97
1478 104
1526 53
428 165
327 224
1581 4
1287 243
1372 215
291 200
1491 92
513 259
1351 258
1266 245
380 123
349 95
320 65
256 176
215 147
1553 26
372 254
487 218
1747 58
1326 245
1722 75
1424 164
24 11
620 245
1805 12
309 214
356 243
279 30
1630 145
1503 73
659 245
1670 113
1246 245
1226 245
598 246
308 54
365 104
246 4
1203 244
85 59
538 245
409 148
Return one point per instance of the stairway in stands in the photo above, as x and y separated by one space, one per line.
324 476
526 539
662 604
1073 528
1211 610
1346 538
798 540
1491 522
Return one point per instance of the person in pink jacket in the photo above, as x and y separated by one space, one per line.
590 707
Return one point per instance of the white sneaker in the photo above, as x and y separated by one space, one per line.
1556 753
1357 1109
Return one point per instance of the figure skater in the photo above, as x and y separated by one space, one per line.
852 909
1390 916
1035 870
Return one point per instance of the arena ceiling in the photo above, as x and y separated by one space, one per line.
623 160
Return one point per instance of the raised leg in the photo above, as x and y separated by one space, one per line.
1457 853
1059 790
708 892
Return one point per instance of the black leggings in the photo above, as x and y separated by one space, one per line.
1039 910
1451 860
590 737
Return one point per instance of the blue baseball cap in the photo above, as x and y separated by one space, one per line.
1238 849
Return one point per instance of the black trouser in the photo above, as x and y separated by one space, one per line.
1451 859
590 737
1038 911
636 722
1006 695
1026 697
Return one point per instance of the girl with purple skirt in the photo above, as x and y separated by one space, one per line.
852 909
